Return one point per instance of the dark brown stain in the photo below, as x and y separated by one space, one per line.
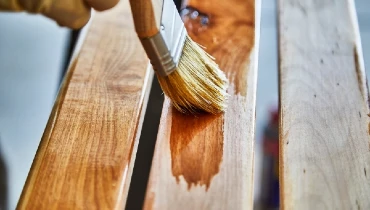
358 205
196 145
359 113
368 126
255 114
287 142
304 170
368 94
365 172
228 34
358 70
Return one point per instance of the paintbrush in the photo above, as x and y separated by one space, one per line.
187 74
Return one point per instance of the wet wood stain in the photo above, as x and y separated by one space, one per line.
196 154
226 29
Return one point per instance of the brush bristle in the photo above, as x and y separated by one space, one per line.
197 85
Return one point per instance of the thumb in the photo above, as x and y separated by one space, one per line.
70 13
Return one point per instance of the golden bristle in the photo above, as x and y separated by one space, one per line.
197 84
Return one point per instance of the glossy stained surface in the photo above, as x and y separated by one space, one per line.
206 161
197 161
324 133
86 155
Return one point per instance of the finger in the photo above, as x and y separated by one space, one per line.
20 5
10 5
70 13
101 5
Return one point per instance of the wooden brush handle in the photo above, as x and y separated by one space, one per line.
147 16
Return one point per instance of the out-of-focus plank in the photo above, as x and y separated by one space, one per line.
87 152
206 162
324 107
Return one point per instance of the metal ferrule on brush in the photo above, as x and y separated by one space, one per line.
165 47
159 55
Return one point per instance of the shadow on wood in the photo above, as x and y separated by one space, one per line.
145 150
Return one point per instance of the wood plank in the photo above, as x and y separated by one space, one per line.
206 162
324 124
86 156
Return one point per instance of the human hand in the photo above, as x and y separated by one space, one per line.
70 13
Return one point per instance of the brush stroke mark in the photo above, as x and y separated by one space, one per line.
196 147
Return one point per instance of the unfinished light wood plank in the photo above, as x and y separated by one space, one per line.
87 152
206 162
324 133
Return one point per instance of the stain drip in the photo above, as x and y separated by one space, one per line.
196 147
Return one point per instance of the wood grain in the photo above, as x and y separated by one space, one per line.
86 155
206 161
324 124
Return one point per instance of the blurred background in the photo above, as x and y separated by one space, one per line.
34 54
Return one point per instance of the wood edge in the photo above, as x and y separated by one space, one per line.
281 142
33 172
27 189
149 199
359 57
281 160
122 200
256 49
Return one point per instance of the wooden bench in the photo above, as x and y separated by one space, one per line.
87 154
